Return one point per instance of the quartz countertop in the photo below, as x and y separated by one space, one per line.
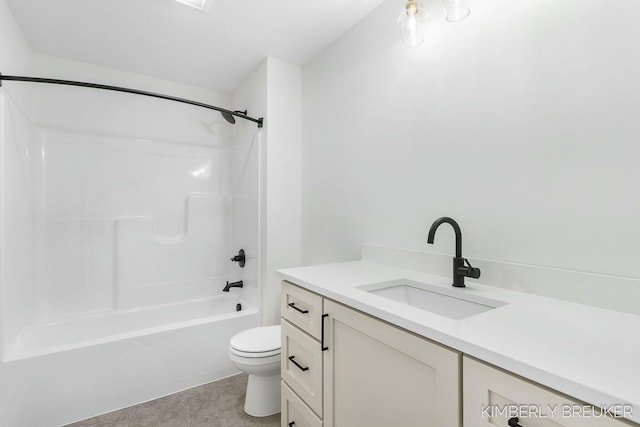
588 353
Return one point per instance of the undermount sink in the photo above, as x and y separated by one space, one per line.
452 303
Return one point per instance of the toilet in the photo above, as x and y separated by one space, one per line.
256 352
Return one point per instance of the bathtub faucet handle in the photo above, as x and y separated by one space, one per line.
240 258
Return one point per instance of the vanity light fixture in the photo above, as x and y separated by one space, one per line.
413 16
198 4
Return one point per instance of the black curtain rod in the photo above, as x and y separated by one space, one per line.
225 113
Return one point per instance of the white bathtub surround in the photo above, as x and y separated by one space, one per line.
586 352
17 223
122 207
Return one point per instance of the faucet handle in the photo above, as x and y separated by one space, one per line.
240 258
469 270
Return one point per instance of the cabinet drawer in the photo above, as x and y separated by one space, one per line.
295 413
302 308
302 365
491 397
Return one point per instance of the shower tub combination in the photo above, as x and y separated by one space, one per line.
114 249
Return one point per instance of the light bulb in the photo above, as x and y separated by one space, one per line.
411 21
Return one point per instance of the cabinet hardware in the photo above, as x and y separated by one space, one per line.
302 368
292 423
293 305
513 422
322 346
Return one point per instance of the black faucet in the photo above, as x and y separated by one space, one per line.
460 271
237 284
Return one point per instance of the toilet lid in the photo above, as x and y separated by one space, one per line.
257 340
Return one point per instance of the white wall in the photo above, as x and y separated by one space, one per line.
519 122
14 51
273 90
283 204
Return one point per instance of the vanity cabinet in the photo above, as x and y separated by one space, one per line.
371 373
342 367
490 394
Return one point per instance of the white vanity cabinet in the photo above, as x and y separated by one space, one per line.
373 374
490 394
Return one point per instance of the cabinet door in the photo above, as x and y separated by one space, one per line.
492 397
377 375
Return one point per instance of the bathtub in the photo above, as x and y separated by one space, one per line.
81 367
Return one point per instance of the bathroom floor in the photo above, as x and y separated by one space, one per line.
217 404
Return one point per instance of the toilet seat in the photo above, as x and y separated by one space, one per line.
254 355
256 362
257 342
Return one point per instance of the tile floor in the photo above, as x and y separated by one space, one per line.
218 404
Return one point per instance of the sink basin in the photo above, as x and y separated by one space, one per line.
451 303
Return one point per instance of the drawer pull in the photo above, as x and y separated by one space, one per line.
293 305
302 368
292 423
322 346
513 422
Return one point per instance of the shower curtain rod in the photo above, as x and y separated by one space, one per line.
227 114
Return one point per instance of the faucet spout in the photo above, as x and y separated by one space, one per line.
237 284
456 228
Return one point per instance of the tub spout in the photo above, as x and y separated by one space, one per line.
237 284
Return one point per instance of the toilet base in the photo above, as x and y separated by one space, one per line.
263 395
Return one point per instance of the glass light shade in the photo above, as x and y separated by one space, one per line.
198 4
411 21
456 10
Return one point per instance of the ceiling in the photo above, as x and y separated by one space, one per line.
214 49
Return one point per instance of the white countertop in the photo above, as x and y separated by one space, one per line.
589 353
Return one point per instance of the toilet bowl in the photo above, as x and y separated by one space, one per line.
256 352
